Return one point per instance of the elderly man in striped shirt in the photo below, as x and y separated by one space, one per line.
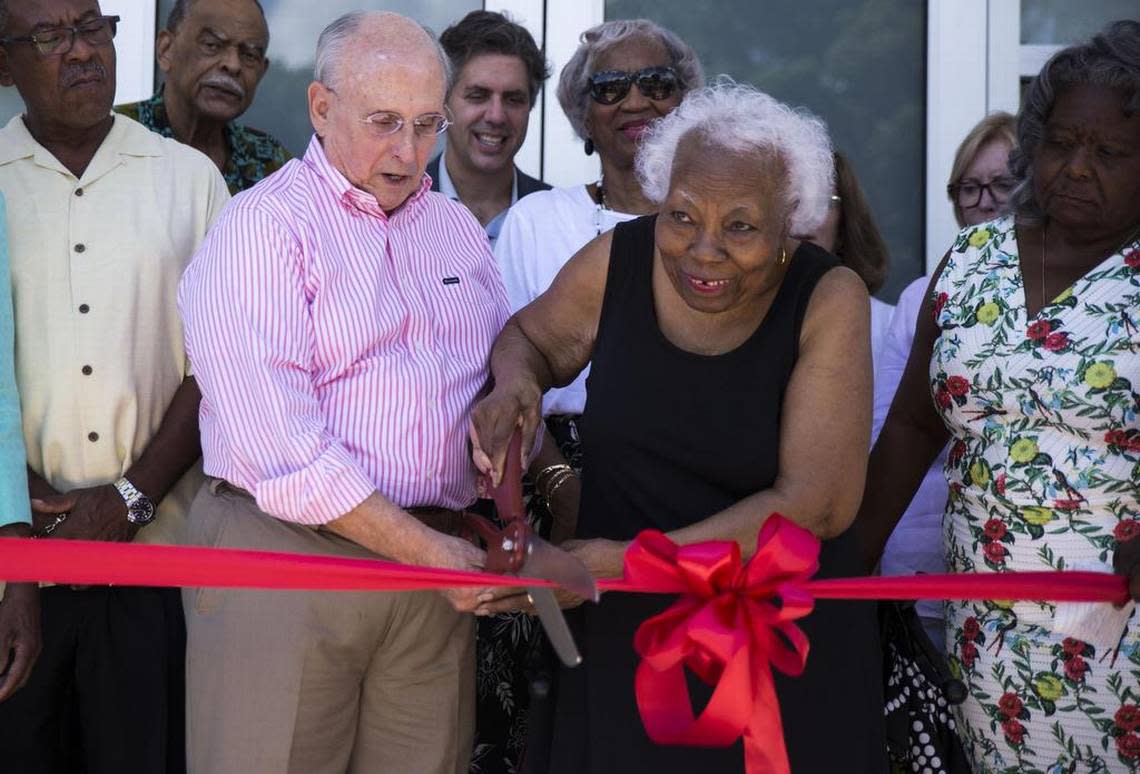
339 318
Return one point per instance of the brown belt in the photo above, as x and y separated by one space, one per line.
440 519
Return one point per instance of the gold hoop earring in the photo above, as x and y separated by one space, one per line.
783 257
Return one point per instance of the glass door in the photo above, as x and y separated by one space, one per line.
858 64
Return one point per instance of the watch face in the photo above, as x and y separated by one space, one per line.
142 512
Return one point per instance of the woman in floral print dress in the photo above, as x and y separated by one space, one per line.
1030 347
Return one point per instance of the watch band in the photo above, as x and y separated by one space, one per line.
128 492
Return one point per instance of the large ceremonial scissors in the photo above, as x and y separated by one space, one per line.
515 549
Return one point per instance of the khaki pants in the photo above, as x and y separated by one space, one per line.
312 682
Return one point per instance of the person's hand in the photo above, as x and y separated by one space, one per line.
19 636
603 558
514 600
97 513
1126 562
457 554
493 421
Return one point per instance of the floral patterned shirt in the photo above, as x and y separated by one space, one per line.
1044 474
253 156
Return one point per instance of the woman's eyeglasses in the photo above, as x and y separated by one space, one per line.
59 40
611 86
968 193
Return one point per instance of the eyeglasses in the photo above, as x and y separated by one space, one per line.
968 193
611 86
427 126
59 40
386 122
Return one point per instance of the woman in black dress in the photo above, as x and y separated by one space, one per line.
731 379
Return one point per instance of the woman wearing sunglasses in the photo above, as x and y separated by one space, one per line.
625 76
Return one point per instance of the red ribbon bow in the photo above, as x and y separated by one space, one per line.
729 630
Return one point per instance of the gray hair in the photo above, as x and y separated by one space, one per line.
1111 58
334 38
574 83
181 7
742 118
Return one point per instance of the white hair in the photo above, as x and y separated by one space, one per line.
331 43
742 118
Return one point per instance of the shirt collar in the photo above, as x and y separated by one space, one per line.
126 138
154 109
447 188
354 197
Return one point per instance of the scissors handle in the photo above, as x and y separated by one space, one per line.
508 494
506 547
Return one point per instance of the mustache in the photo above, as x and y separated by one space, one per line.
73 73
220 81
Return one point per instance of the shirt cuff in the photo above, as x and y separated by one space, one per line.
323 491
15 507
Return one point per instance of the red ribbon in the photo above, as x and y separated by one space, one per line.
86 562
728 629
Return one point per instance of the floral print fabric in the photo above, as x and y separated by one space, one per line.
254 155
1043 469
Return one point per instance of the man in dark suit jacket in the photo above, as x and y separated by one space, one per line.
498 73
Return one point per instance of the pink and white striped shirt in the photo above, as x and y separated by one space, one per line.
340 350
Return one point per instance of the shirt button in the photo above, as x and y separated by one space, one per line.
86 370
80 247
78 191
92 437
84 309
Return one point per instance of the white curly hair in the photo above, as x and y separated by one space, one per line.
742 118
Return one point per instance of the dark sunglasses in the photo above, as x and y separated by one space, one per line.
611 86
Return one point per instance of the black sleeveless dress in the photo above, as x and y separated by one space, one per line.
670 438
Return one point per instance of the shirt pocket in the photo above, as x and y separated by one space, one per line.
467 315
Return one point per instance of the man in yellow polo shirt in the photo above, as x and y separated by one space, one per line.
103 216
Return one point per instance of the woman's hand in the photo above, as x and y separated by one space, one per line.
603 558
1126 562
495 418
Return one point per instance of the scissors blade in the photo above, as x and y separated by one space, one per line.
553 564
554 624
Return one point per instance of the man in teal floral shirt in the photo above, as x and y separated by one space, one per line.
212 53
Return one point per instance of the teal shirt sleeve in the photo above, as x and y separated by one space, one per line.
14 505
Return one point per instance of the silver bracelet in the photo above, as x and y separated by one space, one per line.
52 525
